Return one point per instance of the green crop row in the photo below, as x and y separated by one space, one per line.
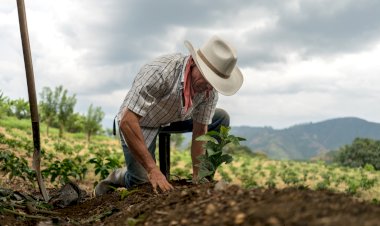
257 172
62 160
72 158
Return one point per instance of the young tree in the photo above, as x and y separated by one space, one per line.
20 108
56 107
4 105
75 123
92 124
65 109
49 106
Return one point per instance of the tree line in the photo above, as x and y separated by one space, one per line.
56 110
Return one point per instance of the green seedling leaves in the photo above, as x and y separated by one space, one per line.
214 156
207 138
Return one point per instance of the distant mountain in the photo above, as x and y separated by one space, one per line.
308 140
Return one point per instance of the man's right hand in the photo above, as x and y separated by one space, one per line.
156 178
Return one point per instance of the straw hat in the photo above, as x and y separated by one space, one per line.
217 62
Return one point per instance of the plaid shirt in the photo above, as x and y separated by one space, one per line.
157 96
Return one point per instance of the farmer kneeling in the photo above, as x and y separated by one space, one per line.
173 94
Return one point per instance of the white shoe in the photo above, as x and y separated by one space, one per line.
113 180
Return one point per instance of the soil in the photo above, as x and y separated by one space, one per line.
212 204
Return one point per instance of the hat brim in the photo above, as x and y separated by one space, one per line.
226 86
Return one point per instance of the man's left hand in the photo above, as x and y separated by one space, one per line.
156 178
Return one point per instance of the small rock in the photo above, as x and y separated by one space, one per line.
210 209
274 221
240 218
184 221
184 193
221 185
173 222
240 192
45 223
232 203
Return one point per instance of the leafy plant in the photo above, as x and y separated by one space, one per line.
353 186
214 155
365 182
63 147
65 169
181 173
134 221
15 166
322 185
104 166
225 176
289 176
270 183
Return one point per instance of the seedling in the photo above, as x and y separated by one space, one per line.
214 155
125 193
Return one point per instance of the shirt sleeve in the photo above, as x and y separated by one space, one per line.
204 111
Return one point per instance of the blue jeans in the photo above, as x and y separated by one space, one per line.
136 174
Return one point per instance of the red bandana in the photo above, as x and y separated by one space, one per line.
187 88
188 91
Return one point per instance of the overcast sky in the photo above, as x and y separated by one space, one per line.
302 60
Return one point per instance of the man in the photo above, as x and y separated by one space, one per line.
172 94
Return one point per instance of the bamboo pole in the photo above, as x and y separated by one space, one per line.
32 96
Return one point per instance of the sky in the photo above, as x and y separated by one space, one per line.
302 60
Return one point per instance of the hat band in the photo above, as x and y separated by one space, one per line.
216 71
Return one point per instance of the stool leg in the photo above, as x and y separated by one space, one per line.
164 153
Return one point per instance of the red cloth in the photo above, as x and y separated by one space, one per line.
188 91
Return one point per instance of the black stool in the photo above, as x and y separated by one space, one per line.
164 153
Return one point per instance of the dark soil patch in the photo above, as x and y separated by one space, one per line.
202 204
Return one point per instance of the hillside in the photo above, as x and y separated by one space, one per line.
307 140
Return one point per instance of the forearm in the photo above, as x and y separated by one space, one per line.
132 133
197 148
196 151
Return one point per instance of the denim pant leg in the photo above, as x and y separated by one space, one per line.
221 118
136 174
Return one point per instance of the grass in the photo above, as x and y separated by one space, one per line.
14 123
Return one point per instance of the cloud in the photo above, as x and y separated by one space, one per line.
302 60
310 28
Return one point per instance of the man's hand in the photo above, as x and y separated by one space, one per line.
156 178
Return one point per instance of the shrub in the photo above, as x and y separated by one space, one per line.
362 151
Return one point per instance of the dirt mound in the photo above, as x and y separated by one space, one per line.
207 204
